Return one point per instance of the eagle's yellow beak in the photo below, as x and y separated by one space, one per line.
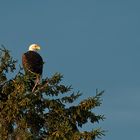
37 47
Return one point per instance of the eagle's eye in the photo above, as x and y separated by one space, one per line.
36 47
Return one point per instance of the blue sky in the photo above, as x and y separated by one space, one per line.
93 43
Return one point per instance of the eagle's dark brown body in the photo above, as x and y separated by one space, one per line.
32 63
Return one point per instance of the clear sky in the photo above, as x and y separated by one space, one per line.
93 43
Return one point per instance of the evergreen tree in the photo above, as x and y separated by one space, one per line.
46 113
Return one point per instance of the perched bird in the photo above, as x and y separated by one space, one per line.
33 63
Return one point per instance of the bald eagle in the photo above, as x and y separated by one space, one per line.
33 63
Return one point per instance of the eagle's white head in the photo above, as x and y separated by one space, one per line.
34 47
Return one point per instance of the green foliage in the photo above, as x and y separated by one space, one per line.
47 112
